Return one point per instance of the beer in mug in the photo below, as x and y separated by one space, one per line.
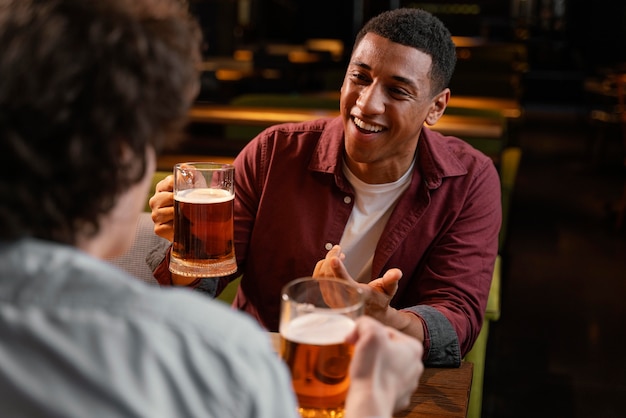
203 243
314 348
317 314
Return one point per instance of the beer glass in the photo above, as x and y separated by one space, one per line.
316 316
203 245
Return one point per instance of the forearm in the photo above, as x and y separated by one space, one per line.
406 322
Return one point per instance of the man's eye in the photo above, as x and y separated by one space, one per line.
398 92
359 77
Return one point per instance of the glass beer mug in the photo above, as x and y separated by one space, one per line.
204 196
316 316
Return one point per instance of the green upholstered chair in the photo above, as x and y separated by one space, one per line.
228 294
478 354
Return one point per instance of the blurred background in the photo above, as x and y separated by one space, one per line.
555 70
563 41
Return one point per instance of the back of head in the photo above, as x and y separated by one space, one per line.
421 30
87 87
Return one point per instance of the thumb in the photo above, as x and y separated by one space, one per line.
388 284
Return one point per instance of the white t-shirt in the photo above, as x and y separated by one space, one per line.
372 207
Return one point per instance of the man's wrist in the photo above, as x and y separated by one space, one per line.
406 322
364 401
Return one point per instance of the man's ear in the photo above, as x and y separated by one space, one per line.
438 106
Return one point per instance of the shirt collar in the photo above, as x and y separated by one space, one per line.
435 160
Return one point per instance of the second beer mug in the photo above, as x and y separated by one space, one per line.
204 196
316 316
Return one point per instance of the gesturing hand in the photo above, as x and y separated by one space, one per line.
378 293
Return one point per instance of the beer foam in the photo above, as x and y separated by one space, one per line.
318 329
204 195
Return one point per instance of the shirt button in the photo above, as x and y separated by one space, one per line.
347 199
328 246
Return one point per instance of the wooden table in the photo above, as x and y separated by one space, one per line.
442 392
456 125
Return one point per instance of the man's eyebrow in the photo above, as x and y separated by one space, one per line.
361 64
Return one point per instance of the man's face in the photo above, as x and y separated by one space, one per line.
385 98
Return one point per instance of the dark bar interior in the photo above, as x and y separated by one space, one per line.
556 349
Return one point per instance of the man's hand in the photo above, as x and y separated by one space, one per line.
378 293
162 205
384 371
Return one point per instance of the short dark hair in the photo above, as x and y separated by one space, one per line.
84 83
421 30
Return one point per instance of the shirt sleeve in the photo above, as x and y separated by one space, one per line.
441 345
161 271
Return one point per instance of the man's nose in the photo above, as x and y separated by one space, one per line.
371 100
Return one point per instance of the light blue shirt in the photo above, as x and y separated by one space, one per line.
81 338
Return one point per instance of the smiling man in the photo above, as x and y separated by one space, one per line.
406 213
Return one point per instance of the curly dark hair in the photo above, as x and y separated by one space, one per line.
82 84
421 30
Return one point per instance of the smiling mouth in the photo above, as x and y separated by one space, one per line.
369 128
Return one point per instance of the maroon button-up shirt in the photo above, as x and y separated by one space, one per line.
293 202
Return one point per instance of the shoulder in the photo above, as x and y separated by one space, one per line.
295 142
313 126
452 156
164 340
287 134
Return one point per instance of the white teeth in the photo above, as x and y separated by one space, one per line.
366 126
